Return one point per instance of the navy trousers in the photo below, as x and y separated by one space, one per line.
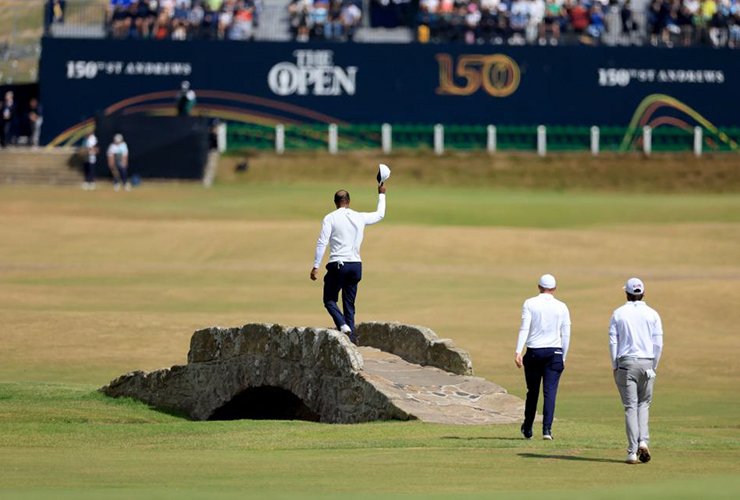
342 277
123 173
89 172
542 366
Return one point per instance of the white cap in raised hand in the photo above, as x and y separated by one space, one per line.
383 173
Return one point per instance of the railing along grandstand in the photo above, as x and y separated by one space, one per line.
439 138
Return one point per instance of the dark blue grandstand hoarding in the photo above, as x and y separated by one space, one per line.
269 83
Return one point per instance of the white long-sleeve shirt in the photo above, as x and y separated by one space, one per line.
545 323
636 331
343 230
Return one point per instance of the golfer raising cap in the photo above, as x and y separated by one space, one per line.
343 230
546 332
635 345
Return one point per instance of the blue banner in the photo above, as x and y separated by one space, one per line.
271 83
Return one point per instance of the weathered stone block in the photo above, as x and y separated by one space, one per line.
415 344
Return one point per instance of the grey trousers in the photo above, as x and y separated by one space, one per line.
636 390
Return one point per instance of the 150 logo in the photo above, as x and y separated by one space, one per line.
499 75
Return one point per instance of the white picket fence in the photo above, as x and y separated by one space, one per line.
491 139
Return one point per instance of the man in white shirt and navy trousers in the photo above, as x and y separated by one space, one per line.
635 345
343 230
545 330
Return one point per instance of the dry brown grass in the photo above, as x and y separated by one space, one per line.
632 172
85 298
93 285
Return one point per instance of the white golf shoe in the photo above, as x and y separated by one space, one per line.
631 458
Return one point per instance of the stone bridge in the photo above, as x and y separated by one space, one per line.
259 371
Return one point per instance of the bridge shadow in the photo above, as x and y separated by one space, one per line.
570 457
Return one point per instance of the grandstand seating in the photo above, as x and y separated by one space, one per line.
611 22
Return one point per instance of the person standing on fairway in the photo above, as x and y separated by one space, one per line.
546 332
118 163
343 230
635 345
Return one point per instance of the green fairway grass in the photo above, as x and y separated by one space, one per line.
96 284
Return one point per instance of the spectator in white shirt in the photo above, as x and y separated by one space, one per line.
519 17
351 15
430 6
91 159
343 230
536 17
635 346
118 163
489 4
545 330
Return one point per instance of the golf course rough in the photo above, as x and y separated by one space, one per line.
273 371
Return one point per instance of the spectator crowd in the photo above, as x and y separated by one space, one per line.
617 22
689 22
228 19
523 21
184 19
324 19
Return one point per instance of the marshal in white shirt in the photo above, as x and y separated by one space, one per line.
635 331
343 231
545 323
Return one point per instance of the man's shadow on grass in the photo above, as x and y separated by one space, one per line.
570 457
482 437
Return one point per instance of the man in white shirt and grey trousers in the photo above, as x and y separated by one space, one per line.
343 230
635 345
545 330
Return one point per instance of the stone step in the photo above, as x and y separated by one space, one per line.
38 166
39 180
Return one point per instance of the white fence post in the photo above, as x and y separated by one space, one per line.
333 138
439 139
698 141
647 140
542 140
386 133
491 139
221 137
595 134
279 138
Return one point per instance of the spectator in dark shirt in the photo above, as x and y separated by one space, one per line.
119 17
685 21
8 114
35 120
629 24
333 28
146 17
185 99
